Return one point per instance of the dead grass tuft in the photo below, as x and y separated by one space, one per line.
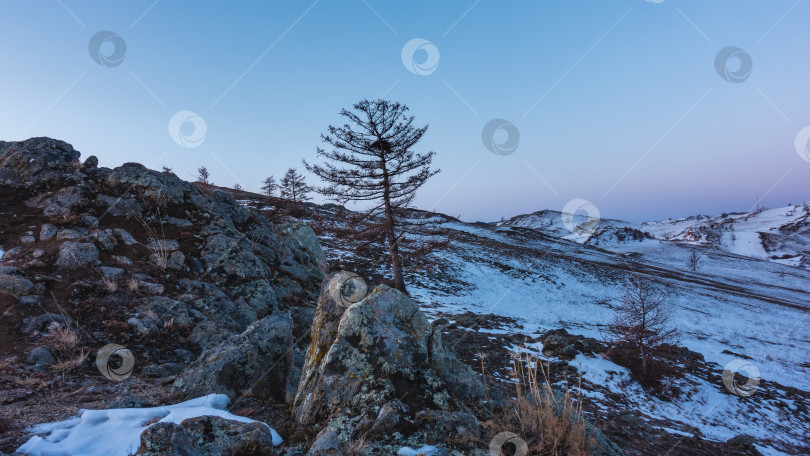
356 447
549 421
72 363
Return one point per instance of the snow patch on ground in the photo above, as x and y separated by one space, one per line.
426 450
117 432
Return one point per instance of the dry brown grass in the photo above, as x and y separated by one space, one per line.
62 338
356 447
132 284
157 245
72 363
110 285
33 383
550 424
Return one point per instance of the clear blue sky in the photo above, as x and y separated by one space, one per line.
592 86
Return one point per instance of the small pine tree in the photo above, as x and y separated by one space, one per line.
203 176
293 187
269 186
237 186
371 160
167 170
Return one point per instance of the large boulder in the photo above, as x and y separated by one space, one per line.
207 435
38 162
154 186
75 254
13 282
257 363
302 235
378 367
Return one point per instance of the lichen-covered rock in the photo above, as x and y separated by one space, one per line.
13 282
38 162
47 232
257 362
60 203
377 363
74 254
303 235
206 435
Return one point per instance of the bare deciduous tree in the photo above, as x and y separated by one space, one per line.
694 260
293 187
237 186
371 161
203 175
269 186
643 322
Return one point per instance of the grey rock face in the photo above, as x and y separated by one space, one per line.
122 259
88 221
176 261
47 232
121 206
257 362
111 273
68 234
91 162
103 240
206 435
38 162
42 322
40 356
302 235
364 358
124 236
74 254
13 282
60 203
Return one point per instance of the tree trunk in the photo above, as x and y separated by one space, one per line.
393 248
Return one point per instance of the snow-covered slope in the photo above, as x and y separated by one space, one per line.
732 306
781 235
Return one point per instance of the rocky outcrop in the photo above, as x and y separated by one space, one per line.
379 367
173 260
38 163
256 363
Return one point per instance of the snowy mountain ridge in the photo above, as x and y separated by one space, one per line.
779 234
